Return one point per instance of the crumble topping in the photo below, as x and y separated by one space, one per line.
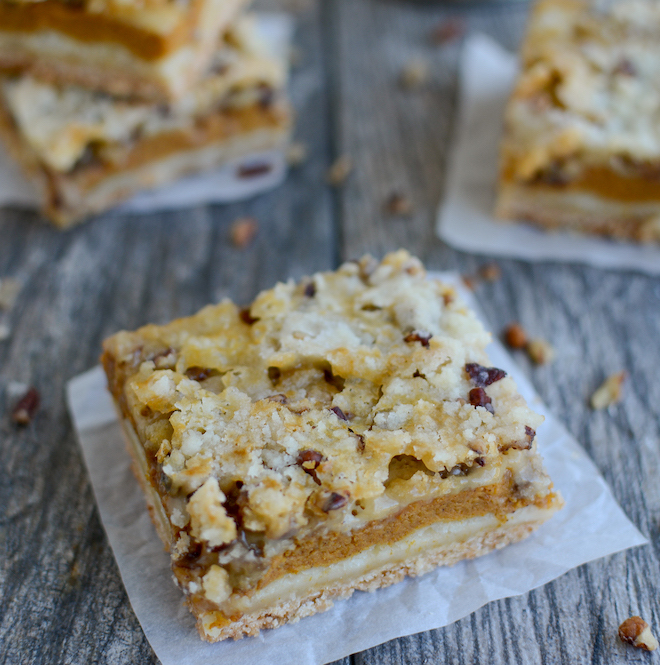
318 406
589 92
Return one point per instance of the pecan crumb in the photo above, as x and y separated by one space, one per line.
26 407
335 502
309 461
254 170
478 397
515 336
310 290
361 445
469 282
540 351
296 154
339 413
490 272
484 376
280 398
415 73
637 632
447 31
243 231
340 170
9 290
198 373
398 205
418 336
246 317
609 392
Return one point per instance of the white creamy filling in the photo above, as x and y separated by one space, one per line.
440 535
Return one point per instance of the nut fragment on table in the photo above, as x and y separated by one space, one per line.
609 392
243 231
637 632
296 153
414 74
540 351
26 407
447 31
9 290
515 336
398 204
490 272
340 170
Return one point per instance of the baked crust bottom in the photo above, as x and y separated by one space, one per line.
214 626
580 211
69 198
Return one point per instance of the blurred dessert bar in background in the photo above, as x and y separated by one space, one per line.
581 148
339 434
87 151
153 49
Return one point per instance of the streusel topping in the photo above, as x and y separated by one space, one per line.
589 93
346 394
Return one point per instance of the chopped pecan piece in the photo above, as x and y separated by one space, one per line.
637 632
198 373
540 351
515 336
310 290
478 397
339 413
609 392
243 231
484 376
418 336
335 502
309 461
26 407
246 317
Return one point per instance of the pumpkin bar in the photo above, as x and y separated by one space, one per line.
152 49
87 151
339 433
581 147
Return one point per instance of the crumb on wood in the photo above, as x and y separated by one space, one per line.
637 632
26 407
9 290
340 170
296 153
609 392
447 31
490 272
398 204
414 74
540 351
243 231
515 336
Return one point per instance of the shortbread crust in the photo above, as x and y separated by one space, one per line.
345 429
150 50
581 148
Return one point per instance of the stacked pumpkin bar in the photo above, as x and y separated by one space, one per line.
337 435
581 149
100 99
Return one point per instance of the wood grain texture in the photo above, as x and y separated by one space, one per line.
61 598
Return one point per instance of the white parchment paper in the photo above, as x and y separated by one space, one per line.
465 219
591 525
218 186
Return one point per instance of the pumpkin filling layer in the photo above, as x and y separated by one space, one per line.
339 433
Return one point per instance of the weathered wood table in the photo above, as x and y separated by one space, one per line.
61 598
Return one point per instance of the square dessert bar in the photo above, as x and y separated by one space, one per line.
86 151
152 49
339 434
581 147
